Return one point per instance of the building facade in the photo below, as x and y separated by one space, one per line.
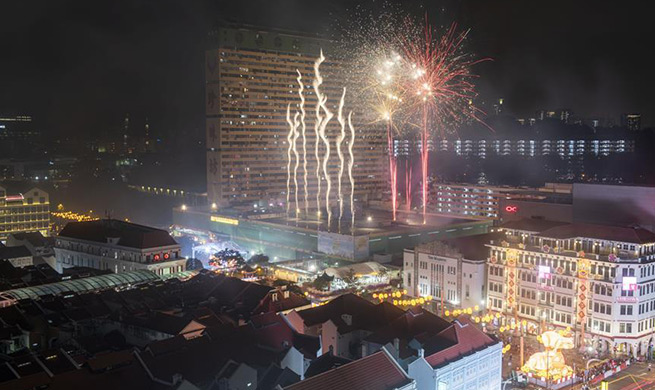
251 78
563 147
27 211
451 271
118 246
597 280
473 360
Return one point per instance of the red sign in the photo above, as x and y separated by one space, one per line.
511 209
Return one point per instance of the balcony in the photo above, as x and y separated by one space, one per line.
515 243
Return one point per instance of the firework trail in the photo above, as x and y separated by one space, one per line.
430 74
296 134
342 136
303 128
351 162
408 184
289 140
392 169
326 155
443 87
318 80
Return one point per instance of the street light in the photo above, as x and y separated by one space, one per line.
183 207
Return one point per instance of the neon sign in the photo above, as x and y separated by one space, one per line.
511 209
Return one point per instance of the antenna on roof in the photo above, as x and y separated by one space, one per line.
107 214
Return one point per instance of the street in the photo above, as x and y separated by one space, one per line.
636 377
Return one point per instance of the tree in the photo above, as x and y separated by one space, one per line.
227 258
323 282
259 259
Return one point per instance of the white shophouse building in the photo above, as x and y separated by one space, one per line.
118 246
598 280
450 269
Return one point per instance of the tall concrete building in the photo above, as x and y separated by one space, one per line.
251 78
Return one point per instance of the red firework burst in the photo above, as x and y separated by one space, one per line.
442 86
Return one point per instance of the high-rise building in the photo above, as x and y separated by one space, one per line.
631 121
17 127
251 79
24 211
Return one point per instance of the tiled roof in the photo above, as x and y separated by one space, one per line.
14 252
129 234
364 314
34 238
412 323
601 232
455 342
374 372
325 362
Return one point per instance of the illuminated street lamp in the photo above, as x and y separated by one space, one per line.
183 207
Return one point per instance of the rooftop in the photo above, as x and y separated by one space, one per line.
35 238
375 372
633 235
534 225
83 284
128 234
455 342
14 252
362 314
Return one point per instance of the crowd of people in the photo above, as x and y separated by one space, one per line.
602 367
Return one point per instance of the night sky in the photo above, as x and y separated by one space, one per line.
79 66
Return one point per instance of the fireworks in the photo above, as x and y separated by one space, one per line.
301 88
351 162
443 85
323 117
296 134
289 141
342 136
412 84
422 80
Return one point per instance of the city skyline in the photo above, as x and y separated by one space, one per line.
146 59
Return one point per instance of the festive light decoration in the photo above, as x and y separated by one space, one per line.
71 216
550 364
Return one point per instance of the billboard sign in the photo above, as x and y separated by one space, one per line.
351 247
629 283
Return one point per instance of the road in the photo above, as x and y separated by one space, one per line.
635 377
